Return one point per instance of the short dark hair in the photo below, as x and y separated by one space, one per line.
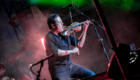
2 65
51 20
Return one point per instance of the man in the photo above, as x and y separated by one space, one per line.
61 66
2 70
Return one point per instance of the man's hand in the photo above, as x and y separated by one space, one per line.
76 50
86 24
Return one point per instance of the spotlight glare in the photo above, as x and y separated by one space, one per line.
42 40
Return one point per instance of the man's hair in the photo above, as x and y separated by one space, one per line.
2 65
51 20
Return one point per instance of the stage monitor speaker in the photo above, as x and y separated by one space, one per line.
134 65
131 70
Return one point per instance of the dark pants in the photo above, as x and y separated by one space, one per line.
66 72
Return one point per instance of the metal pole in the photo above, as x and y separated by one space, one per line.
108 32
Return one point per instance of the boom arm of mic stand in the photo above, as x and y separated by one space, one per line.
94 23
41 66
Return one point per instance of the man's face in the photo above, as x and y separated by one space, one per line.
59 24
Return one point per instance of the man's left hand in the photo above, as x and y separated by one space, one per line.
86 24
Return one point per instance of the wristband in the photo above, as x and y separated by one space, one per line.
66 52
77 52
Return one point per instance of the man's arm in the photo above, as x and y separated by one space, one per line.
67 52
83 35
51 48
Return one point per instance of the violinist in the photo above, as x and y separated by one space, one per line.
61 66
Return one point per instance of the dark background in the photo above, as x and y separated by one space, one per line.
23 26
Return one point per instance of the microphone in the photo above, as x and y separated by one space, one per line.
67 6
28 67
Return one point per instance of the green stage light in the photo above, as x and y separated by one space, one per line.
55 2
32 2
125 5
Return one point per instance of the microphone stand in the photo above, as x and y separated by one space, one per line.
30 71
42 61
73 30
94 23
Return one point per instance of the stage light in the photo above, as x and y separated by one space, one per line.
42 41
55 2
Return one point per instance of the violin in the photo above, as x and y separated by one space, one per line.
73 27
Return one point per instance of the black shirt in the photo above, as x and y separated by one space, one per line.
53 42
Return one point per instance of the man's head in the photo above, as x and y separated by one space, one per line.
55 23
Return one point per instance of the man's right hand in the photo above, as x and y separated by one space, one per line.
76 50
